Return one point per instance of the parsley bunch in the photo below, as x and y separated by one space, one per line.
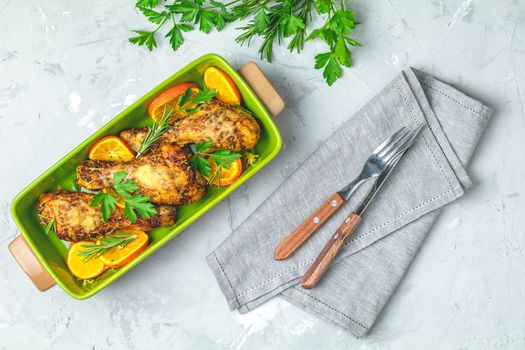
124 191
274 22
222 157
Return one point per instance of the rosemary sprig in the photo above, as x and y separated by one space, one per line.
188 102
51 226
155 131
106 244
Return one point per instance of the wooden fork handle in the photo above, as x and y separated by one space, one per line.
330 251
295 239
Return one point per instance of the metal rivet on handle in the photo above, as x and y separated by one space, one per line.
333 203
315 220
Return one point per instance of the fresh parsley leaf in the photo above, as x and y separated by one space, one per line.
323 6
314 34
202 147
343 22
204 96
188 10
139 203
188 99
291 24
119 176
321 60
146 3
176 39
202 165
332 70
206 20
261 21
185 98
123 190
152 15
222 158
144 38
341 52
175 35
352 41
107 203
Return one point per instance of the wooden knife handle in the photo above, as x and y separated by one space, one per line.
330 251
295 239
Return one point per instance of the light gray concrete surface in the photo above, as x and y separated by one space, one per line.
66 68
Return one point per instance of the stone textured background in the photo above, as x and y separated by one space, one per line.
66 68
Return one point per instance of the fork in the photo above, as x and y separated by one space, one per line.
374 165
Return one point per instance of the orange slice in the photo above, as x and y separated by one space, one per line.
83 269
227 91
227 176
111 148
120 256
169 101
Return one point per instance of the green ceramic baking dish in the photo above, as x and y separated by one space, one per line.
42 256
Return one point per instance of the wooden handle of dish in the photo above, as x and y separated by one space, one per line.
296 239
330 251
262 88
28 261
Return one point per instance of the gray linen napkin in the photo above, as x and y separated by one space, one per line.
374 260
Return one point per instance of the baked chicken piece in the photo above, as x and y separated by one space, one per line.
225 125
164 174
76 220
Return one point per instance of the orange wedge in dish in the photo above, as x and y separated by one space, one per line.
227 91
169 101
227 176
111 148
120 256
80 268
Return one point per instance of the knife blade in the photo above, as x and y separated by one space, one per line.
337 241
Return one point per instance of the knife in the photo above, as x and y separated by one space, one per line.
373 166
323 261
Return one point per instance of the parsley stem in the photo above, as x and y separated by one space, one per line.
161 24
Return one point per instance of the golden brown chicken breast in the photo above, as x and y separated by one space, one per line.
163 174
225 125
76 220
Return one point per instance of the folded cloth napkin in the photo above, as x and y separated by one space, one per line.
371 265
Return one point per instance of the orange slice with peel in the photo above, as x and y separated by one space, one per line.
227 176
120 256
81 268
169 101
227 91
112 148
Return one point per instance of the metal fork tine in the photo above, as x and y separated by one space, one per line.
394 145
395 136
403 146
